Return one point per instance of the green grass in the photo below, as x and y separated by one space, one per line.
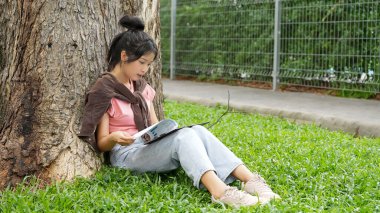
313 169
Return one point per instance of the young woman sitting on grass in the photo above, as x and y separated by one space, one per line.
119 105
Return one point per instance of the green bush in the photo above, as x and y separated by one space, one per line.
324 44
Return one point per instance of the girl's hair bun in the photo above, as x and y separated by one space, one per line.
132 23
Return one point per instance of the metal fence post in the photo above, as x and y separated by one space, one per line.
276 52
172 39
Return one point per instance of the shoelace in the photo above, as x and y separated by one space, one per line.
260 184
234 192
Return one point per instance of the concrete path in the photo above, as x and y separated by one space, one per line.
356 116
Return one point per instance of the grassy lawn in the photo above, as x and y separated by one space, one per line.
313 169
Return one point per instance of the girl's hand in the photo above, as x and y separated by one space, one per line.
122 138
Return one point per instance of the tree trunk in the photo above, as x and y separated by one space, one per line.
50 53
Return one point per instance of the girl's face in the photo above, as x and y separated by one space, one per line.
137 69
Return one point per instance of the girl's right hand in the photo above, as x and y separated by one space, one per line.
122 138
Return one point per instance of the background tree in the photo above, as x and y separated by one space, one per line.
50 52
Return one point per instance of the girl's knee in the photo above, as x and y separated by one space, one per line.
199 129
186 132
186 136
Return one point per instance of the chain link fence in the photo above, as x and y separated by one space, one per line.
321 44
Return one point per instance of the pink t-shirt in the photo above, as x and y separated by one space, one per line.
120 113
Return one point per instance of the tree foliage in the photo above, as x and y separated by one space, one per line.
330 44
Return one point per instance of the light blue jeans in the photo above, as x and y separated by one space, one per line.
195 149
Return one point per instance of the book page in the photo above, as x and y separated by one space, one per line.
153 132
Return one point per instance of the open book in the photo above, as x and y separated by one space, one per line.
158 131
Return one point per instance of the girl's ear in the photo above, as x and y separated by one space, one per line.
123 56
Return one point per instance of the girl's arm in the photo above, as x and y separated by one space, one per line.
107 141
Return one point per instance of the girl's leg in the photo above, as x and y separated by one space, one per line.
253 183
182 148
243 173
185 148
213 184
224 161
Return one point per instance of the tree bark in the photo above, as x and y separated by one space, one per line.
50 53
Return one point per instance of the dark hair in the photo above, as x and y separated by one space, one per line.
134 41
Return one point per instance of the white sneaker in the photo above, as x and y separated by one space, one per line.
236 198
258 186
